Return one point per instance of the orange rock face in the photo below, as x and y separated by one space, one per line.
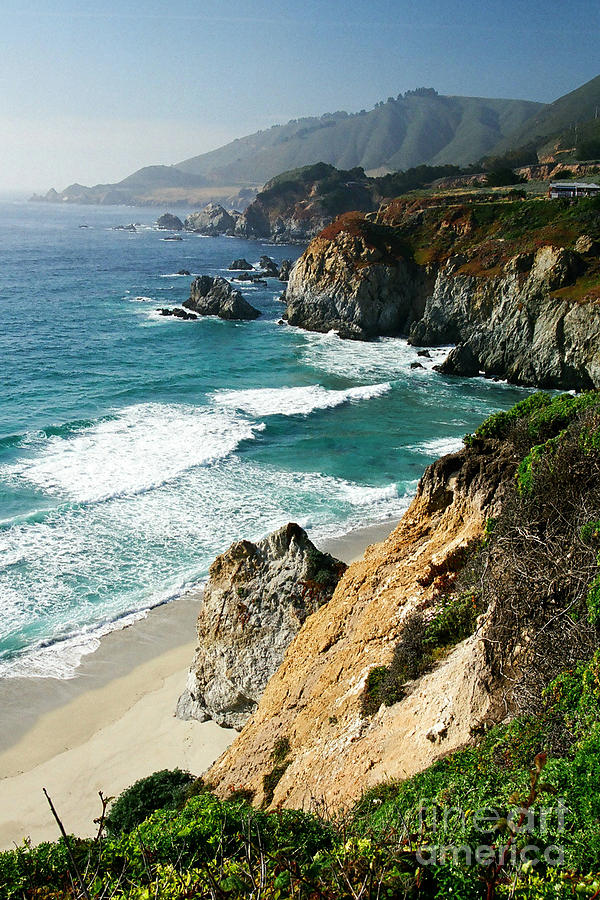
314 699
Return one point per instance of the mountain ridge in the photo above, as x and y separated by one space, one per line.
420 126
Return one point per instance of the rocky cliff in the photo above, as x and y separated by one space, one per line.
296 205
515 283
257 598
311 712
516 325
353 280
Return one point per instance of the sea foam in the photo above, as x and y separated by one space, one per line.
140 448
295 401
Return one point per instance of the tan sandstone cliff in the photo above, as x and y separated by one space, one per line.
314 699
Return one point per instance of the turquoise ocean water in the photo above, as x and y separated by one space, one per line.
134 448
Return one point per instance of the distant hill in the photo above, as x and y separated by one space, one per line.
415 128
418 127
556 120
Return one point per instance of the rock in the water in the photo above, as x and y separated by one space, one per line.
212 220
177 313
240 265
269 266
215 297
417 365
424 353
130 227
284 269
184 272
460 361
251 278
255 602
170 222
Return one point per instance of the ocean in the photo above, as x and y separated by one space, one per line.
134 448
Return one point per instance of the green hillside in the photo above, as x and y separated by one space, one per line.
418 127
579 106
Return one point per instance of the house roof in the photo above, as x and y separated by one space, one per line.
574 184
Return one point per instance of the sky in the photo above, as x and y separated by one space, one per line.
92 90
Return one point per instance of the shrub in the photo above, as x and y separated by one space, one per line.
376 691
162 790
281 749
418 648
540 566
409 659
271 780
502 177
455 620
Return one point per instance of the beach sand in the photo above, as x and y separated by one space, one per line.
114 722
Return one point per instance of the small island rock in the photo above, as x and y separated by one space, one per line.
170 222
269 266
212 220
215 297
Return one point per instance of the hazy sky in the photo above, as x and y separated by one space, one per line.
94 89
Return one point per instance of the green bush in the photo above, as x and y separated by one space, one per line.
377 691
502 177
162 790
281 749
418 648
455 620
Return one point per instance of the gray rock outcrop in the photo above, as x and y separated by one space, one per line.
170 222
255 602
215 297
269 267
240 265
515 319
515 325
212 220
284 269
343 284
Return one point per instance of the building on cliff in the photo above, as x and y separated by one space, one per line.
570 189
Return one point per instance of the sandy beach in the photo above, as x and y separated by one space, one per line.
114 722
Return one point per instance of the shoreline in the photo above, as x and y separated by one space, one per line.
114 721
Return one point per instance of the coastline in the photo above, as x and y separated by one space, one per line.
114 721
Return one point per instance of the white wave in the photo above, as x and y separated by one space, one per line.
140 299
295 401
438 446
93 563
179 275
366 360
142 447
